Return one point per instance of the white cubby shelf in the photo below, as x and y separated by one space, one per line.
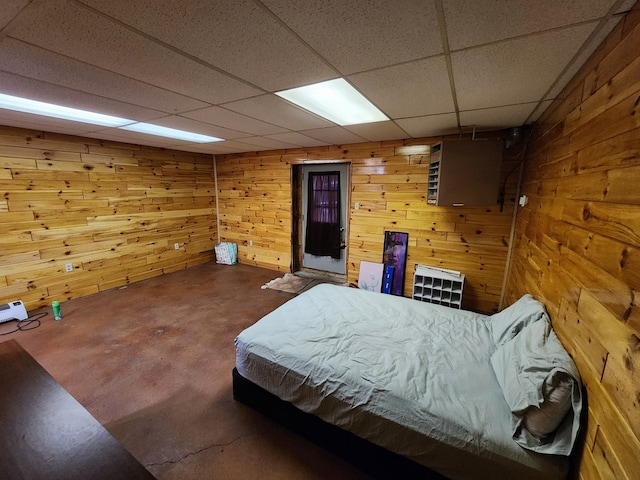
438 286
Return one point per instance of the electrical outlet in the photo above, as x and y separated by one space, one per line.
251 243
176 246
68 267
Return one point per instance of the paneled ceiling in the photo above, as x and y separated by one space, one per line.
211 66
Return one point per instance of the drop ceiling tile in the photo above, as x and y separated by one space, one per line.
40 122
208 148
37 90
514 71
410 89
539 110
238 36
163 61
361 35
298 139
378 131
334 135
497 118
470 22
85 35
430 126
11 8
181 123
136 138
264 143
234 120
582 56
625 5
237 146
274 110
37 63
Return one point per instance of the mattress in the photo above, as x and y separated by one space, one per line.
412 377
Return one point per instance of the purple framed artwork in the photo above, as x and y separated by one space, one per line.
395 254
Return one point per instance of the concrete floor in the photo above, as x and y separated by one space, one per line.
152 362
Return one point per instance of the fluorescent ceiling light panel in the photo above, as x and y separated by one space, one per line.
336 100
151 129
35 107
25 105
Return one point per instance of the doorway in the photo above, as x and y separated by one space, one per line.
324 177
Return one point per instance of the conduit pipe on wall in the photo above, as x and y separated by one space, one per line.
215 182
514 217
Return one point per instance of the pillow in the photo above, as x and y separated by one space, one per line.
534 372
543 420
506 324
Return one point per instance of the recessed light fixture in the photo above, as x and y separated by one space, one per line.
160 131
35 107
57 111
336 100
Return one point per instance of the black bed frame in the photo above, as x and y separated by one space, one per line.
368 457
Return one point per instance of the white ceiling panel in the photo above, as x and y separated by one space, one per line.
296 138
264 143
84 35
10 8
234 146
539 110
409 89
592 43
234 120
190 125
214 67
36 90
497 117
127 136
430 126
473 22
39 122
209 148
272 109
239 37
378 131
334 135
361 35
514 71
37 63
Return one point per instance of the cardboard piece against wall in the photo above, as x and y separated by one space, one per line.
370 277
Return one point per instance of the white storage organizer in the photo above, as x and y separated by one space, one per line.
439 286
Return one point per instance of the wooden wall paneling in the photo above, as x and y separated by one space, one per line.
576 244
605 459
388 181
621 376
112 210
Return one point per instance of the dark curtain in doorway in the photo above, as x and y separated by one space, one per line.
323 215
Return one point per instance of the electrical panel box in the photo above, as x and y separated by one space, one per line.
465 172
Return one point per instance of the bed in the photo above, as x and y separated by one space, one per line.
405 386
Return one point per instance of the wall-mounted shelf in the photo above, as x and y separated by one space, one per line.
439 286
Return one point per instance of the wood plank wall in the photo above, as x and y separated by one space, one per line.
113 210
577 245
389 181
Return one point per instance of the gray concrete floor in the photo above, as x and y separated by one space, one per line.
152 362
